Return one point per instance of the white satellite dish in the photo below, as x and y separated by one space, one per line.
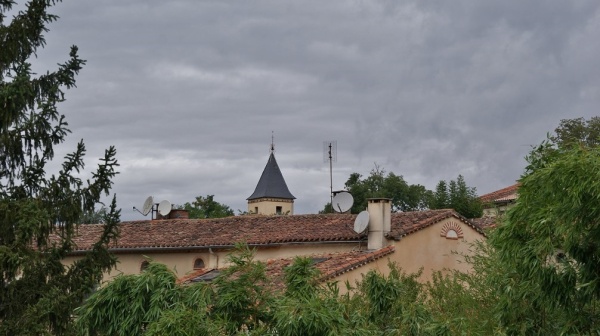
164 207
342 201
361 222
148 206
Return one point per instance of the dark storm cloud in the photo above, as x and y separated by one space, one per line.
191 91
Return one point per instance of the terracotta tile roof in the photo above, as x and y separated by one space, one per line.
502 195
406 223
254 230
485 222
330 266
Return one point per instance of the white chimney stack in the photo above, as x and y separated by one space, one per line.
380 222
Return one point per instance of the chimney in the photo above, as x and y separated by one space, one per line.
380 222
175 214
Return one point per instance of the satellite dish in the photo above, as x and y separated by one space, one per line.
164 207
342 202
361 222
147 206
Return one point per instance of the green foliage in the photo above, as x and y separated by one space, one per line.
404 197
394 305
207 207
552 234
132 304
577 131
242 299
468 303
307 308
327 209
94 216
182 321
39 213
317 314
301 279
569 133
458 196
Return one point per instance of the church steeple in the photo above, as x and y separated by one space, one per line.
271 195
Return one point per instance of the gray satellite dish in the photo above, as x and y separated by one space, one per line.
342 202
164 207
361 222
147 206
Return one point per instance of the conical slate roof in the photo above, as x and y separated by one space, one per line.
271 183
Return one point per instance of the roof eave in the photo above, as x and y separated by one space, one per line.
207 247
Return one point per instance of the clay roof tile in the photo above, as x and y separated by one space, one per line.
254 230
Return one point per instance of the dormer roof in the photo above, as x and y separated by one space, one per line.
271 183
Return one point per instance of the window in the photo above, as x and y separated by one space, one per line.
256 210
451 230
198 263
451 234
278 210
144 265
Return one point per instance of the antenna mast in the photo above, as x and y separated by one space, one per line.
330 154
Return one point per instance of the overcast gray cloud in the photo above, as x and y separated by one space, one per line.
190 91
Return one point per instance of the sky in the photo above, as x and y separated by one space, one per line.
192 93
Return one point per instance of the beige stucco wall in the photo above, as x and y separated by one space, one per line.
423 249
268 206
497 210
182 262
427 249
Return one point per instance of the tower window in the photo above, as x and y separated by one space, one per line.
256 210
278 210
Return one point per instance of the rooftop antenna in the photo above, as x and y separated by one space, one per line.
330 154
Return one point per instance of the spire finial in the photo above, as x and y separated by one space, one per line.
272 142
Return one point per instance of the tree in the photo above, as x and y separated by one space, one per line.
94 216
458 196
207 207
577 131
548 242
569 133
39 213
440 198
552 234
404 197
152 302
